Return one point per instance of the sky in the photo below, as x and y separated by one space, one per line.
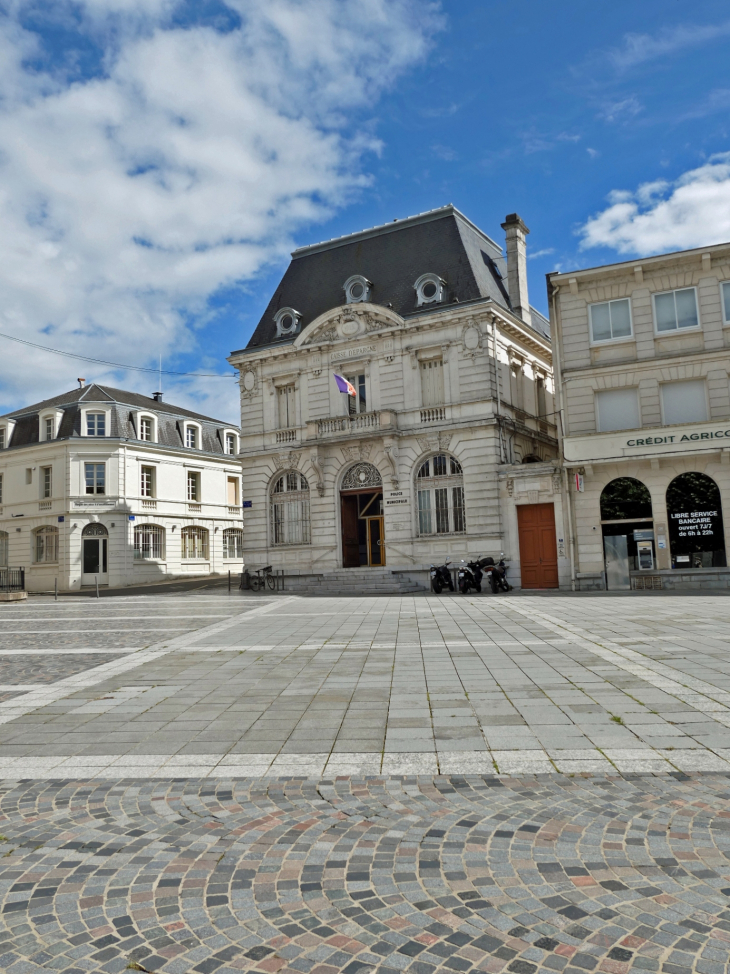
160 159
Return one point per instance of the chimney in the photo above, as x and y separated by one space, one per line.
157 396
516 246
81 382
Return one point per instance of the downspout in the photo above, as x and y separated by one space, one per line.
496 384
558 373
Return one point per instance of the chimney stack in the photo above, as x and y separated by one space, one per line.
157 396
81 382
516 246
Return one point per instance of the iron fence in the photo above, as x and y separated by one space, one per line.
12 579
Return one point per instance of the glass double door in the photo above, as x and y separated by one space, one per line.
94 561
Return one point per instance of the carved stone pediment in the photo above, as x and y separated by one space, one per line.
349 322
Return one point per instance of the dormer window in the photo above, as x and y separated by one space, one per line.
191 438
287 322
96 424
145 429
357 289
231 444
429 289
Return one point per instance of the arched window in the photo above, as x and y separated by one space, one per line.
149 541
233 543
46 544
440 487
194 542
290 509
4 549
625 499
696 533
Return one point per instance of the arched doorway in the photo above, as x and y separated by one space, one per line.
626 523
94 554
696 534
361 511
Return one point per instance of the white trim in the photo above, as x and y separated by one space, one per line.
610 341
676 331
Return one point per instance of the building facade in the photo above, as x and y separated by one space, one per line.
642 356
101 485
452 378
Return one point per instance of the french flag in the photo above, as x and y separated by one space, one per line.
344 386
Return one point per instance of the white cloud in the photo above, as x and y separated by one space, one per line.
639 48
545 252
186 164
621 110
692 211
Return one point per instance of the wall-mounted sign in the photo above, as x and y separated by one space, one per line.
393 497
248 503
353 352
685 437
579 485
644 535
695 524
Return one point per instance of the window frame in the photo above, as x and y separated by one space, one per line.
677 330
234 435
436 487
95 492
236 533
45 531
143 467
282 523
198 430
353 403
155 531
85 426
3 438
152 420
201 538
725 318
675 382
610 341
597 413
1 489
193 477
45 482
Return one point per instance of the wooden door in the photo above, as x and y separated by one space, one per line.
350 540
376 548
538 551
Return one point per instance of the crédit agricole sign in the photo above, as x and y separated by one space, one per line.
685 437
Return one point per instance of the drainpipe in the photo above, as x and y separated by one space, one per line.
496 383
558 385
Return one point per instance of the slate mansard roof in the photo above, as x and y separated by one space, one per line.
123 404
393 257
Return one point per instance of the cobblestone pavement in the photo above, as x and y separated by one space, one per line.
360 785
388 874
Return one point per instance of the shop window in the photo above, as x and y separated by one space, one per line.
290 509
149 541
194 542
233 543
696 533
440 489
432 382
684 402
617 409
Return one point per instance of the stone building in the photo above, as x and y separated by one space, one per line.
104 485
430 322
642 355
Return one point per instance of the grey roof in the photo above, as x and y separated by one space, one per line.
123 404
393 257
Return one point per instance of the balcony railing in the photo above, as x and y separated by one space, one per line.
148 505
234 511
347 424
194 508
434 414
44 505
286 436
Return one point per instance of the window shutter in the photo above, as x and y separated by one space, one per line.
432 382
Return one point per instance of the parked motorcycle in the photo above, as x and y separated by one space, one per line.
470 576
441 578
496 574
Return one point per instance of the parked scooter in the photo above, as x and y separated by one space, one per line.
502 575
496 574
470 576
441 578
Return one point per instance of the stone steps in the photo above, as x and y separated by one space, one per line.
369 581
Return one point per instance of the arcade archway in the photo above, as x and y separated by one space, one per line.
361 513
696 532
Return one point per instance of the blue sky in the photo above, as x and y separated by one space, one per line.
160 159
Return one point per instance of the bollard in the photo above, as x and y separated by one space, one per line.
96 579
55 590
229 581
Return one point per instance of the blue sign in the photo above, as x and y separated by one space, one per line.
132 517
61 519
248 503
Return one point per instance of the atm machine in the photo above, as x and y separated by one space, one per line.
644 550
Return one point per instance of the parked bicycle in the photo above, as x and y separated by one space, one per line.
258 579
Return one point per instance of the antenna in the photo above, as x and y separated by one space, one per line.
157 396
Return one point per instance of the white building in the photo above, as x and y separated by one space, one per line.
642 351
101 484
452 370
